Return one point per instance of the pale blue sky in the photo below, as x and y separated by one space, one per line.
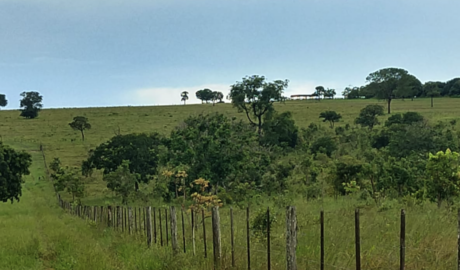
145 52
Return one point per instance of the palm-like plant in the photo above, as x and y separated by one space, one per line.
184 96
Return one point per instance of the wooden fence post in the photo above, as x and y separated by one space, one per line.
268 240
193 232
109 216
173 219
232 236
216 237
154 226
130 219
161 227
118 218
149 226
204 234
248 238
183 228
166 227
101 215
135 220
95 214
322 239
291 238
357 241
402 252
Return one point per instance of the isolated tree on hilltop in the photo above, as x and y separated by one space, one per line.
331 117
389 83
217 96
80 123
184 96
255 97
330 93
13 165
3 101
368 116
31 104
204 95
319 91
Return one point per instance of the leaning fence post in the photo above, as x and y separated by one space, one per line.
291 238
357 241
216 237
149 226
173 219
268 240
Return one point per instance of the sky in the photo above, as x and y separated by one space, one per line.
90 53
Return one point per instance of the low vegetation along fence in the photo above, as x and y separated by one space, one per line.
160 226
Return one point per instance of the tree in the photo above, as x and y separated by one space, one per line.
67 179
368 116
218 149
389 83
31 104
80 123
330 93
141 150
255 97
122 181
331 117
13 166
325 145
319 91
3 101
432 90
184 96
217 96
204 95
444 176
280 130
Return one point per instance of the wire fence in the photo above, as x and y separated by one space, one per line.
302 241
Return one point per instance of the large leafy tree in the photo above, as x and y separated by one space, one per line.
330 93
81 124
13 165
67 179
255 97
3 101
204 95
141 150
331 117
218 149
368 116
280 130
184 96
320 91
390 83
31 104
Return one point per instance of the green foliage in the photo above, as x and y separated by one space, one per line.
279 130
325 145
31 104
218 149
80 123
141 150
255 97
122 181
13 166
204 95
3 100
331 117
407 118
347 170
67 179
443 176
184 96
320 91
368 116
259 224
